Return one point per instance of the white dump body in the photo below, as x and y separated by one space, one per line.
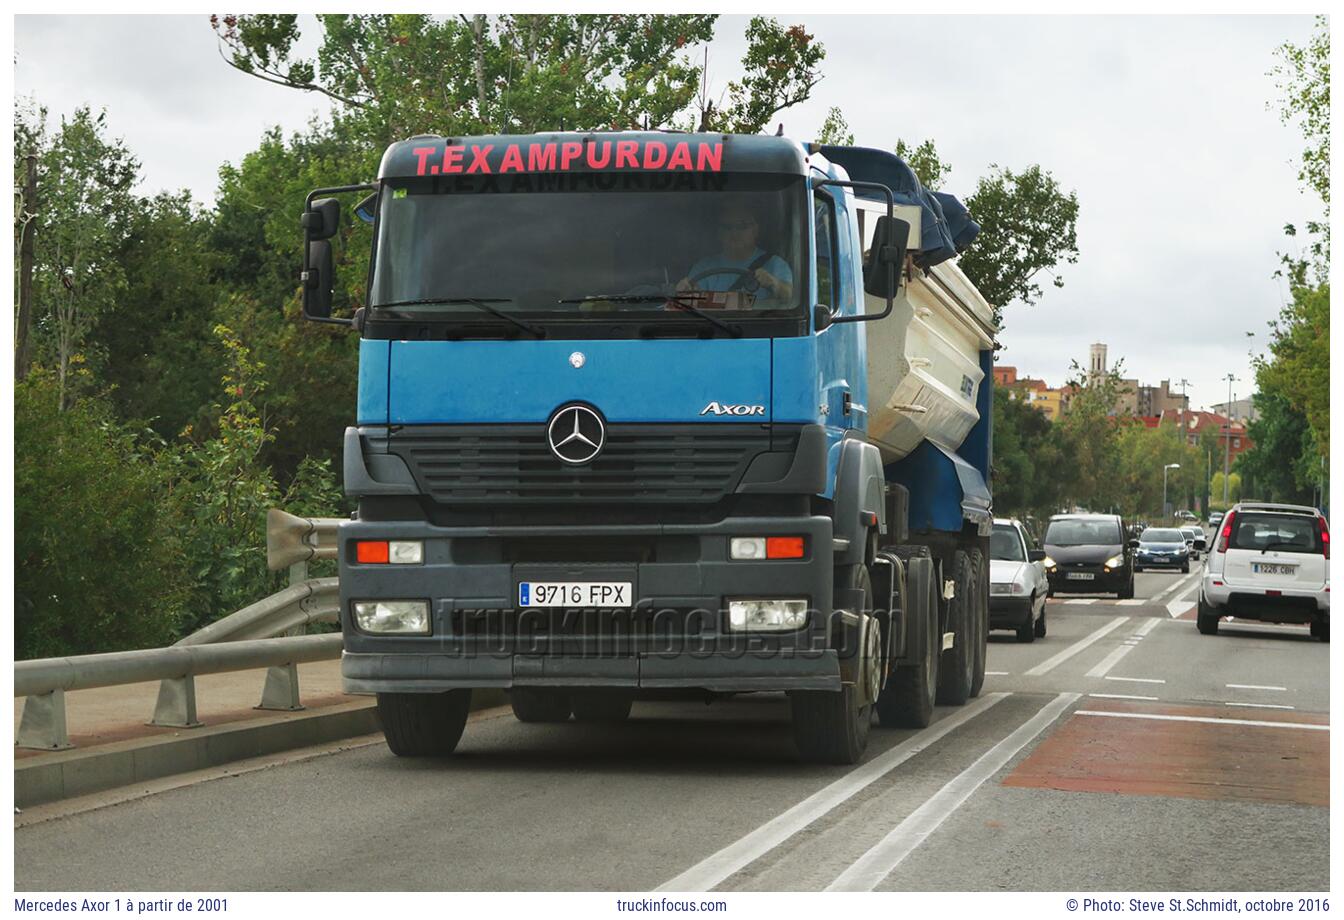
924 359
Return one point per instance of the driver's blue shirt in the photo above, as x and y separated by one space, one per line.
723 281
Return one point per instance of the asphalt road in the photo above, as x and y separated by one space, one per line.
1122 751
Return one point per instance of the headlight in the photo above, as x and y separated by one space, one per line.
1115 562
1019 587
393 616
767 614
1049 563
1000 589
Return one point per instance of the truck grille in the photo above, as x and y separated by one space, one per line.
639 463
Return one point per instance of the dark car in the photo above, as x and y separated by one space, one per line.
1089 554
1162 548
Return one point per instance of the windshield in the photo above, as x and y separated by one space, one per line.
1004 543
543 247
1083 533
1158 535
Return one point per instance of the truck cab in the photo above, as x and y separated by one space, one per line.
614 434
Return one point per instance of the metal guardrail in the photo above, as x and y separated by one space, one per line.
265 634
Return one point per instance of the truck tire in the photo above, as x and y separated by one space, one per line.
956 672
423 724
1206 618
531 704
908 699
829 726
602 705
978 564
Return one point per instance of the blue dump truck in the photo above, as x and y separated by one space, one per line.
655 414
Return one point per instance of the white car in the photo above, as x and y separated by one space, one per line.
1017 582
1268 562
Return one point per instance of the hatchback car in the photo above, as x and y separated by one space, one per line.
1017 584
1162 548
1269 562
1194 540
1089 554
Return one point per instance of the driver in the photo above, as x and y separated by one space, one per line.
745 265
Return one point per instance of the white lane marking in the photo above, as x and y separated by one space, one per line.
1310 726
1262 705
1122 696
1146 628
1137 680
1180 584
1176 608
1254 687
709 872
996 673
1084 602
1110 660
879 862
1131 602
1051 663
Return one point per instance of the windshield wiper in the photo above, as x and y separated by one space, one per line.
1267 546
482 302
678 299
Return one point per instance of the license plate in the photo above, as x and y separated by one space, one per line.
574 594
1267 568
1080 576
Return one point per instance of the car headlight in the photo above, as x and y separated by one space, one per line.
767 614
1115 562
1000 589
1049 563
1019 587
393 616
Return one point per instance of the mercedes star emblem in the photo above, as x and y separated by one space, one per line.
577 359
576 434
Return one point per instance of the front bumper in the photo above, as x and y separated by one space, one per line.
1142 561
1101 582
676 634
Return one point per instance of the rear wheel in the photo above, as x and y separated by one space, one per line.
1206 618
423 724
531 704
908 699
1320 629
831 726
602 705
956 672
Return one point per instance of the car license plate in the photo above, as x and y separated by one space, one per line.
574 594
1266 568
1080 576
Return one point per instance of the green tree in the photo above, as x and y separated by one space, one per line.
1280 466
1302 76
925 160
1028 477
1028 226
835 130
395 76
98 565
1088 437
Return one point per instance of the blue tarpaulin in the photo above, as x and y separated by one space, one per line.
947 228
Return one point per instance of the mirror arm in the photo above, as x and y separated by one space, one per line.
891 213
307 206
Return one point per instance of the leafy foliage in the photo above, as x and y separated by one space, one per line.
926 162
99 566
835 130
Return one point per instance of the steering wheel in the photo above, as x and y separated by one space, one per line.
750 287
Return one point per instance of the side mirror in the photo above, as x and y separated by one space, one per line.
365 209
1133 544
322 219
886 259
1035 555
317 279
1200 544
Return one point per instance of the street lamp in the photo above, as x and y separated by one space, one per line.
1166 512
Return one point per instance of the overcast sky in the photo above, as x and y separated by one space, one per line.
1184 177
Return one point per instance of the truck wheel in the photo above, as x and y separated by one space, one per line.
602 705
535 705
982 605
831 726
1206 618
956 672
423 724
908 699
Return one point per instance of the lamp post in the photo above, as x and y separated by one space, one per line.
1227 438
1166 512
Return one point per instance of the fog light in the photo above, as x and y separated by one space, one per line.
405 552
767 614
393 616
747 548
